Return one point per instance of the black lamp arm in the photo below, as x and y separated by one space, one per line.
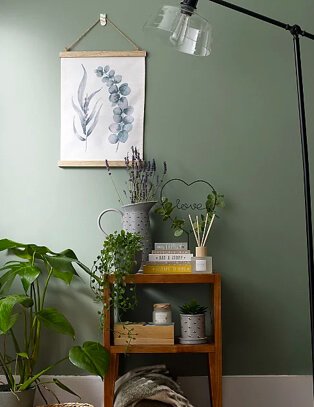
294 29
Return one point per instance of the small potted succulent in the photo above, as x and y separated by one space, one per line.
192 321
24 284
119 257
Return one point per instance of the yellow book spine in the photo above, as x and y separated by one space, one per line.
167 268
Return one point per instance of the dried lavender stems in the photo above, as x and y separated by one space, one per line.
143 181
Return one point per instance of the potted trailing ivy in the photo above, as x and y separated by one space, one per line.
24 283
119 257
192 321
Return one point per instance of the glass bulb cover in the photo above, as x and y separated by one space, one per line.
191 34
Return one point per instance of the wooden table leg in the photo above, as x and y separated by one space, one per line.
215 359
110 379
212 379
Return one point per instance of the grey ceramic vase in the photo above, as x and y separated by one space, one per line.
192 329
135 219
20 399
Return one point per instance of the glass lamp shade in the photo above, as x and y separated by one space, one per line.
185 31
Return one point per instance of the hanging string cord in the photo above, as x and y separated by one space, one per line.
81 36
94 25
124 35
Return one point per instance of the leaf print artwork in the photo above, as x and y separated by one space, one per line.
122 112
102 106
87 111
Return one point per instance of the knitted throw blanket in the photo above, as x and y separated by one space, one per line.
148 383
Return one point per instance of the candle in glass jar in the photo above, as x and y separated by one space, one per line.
162 314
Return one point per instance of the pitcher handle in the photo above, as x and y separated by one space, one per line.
101 215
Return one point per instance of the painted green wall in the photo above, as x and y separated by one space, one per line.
230 118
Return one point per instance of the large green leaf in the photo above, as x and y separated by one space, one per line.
62 267
7 318
27 272
30 251
92 357
62 260
68 253
6 280
9 244
53 319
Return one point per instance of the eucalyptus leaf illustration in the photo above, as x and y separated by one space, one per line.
87 112
122 112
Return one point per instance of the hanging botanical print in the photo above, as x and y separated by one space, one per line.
102 106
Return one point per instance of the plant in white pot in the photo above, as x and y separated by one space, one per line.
192 321
24 283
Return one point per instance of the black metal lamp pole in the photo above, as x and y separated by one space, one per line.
296 32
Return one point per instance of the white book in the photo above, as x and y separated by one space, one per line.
178 251
171 246
169 257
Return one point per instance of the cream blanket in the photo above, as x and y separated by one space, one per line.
148 383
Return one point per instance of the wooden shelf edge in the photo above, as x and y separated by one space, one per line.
177 348
171 278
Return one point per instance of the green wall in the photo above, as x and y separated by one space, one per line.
230 118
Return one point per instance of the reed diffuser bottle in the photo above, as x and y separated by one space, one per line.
202 263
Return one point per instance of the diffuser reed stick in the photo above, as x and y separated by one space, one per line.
201 240
193 230
206 220
208 230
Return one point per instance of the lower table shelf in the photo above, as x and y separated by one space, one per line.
212 349
204 348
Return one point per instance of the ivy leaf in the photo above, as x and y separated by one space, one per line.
23 355
178 232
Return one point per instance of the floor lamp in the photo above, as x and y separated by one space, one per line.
188 32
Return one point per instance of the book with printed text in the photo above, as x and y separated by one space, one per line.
170 257
171 246
174 268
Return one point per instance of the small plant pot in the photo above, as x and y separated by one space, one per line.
192 329
23 398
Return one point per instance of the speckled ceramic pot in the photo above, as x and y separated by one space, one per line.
135 219
192 329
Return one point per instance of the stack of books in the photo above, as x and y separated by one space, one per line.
169 258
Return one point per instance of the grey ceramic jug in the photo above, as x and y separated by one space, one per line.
135 219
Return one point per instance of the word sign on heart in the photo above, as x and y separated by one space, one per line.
186 196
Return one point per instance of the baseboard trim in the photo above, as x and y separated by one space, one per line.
238 391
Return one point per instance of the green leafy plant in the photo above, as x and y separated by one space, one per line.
166 210
120 254
192 308
24 284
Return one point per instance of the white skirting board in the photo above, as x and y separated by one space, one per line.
238 391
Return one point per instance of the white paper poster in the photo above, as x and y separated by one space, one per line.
102 106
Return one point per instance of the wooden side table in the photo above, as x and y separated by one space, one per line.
213 349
